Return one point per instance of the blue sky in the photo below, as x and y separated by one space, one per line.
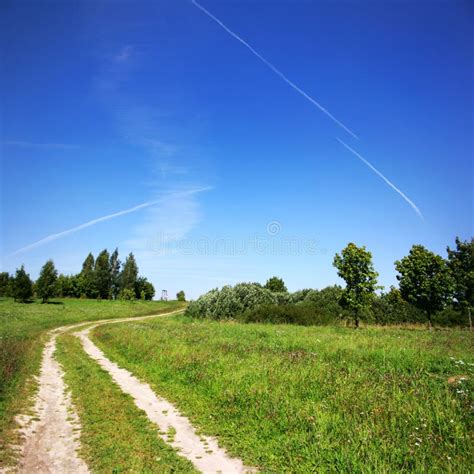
109 105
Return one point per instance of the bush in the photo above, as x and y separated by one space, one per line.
304 314
391 308
327 302
127 294
230 301
451 316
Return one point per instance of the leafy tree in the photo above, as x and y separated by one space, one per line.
114 274
46 283
355 266
461 264
88 284
22 285
180 296
144 289
129 273
275 285
425 280
102 275
69 286
6 282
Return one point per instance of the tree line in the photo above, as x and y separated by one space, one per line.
104 277
431 289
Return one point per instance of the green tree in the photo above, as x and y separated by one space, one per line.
275 285
46 283
129 275
65 286
461 264
144 289
22 286
354 265
5 284
425 280
180 296
102 275
115 274
88 284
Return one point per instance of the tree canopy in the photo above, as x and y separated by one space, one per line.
461 264
46 283
354 265
425 280
22 286
276 285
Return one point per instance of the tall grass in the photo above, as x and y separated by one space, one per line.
312 399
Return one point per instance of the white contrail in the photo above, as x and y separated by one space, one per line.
375 170
59 235
274 69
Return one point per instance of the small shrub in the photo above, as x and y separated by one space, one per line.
127 294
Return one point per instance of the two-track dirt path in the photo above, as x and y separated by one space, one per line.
51 435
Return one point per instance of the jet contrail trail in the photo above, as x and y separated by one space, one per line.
52 237
274 69
376 171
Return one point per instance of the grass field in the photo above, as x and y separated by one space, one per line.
23 329
312 399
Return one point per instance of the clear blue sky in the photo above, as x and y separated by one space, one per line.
108 105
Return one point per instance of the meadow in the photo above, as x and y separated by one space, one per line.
312 399
23 329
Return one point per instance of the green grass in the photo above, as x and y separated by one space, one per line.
23 329
116 436
312 399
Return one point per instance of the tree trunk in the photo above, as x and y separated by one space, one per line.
356 319
470 317
430 327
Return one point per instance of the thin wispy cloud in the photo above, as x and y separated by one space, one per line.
274 69
50 146
378 173
73 230
167 223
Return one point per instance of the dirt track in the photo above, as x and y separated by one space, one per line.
51 436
